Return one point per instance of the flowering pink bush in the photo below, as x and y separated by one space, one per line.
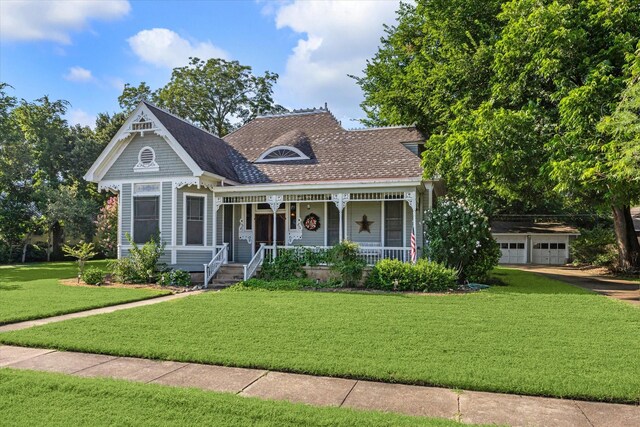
107 228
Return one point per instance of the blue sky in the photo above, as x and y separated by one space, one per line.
84 51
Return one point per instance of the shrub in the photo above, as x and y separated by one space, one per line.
424 276
595 247
93 276
107 228
175 278
459 237
346 261
287 265
142 265
82 252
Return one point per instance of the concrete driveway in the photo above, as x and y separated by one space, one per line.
592 279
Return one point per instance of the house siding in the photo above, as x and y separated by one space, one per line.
355 212
127 214
311 238
166 208
168 160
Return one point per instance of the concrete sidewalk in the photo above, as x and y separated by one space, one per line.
93 312
466 406
612 287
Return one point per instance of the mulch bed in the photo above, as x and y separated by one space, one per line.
110 284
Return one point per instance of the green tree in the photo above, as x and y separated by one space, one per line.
571 60
510 95
215 93
132 96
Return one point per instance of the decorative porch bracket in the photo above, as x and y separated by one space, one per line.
243 233
341 200
275 202
297 233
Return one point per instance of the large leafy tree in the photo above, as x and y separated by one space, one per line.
572 61
216 94
434 69
510 95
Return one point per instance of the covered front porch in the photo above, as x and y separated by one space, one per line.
257 225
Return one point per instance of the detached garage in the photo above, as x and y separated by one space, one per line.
533 243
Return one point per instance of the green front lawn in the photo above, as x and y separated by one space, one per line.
33 291
38 398
536 336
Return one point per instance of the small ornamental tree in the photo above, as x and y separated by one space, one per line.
458 236
82 252
107 228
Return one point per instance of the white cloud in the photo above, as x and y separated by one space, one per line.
55 19
81 117
165 48
338 38
79 74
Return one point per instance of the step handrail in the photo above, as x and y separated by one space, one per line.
256 261
212 267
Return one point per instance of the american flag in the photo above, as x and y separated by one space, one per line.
414 249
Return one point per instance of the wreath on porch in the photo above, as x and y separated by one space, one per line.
312 222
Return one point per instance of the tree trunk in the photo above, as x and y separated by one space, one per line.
49 245
628 246
25 245
57 241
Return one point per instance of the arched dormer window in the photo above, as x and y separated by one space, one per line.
282 153
146 161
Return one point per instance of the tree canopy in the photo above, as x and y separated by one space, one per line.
216 94
523 102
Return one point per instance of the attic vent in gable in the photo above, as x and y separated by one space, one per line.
146 161
282 153
142 123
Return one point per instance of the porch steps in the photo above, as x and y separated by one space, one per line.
229 274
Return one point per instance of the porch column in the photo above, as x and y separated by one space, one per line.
341 200
217 202
274 203
410 197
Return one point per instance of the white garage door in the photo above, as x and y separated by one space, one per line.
512 250
549 249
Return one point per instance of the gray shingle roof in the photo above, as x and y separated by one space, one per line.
334 153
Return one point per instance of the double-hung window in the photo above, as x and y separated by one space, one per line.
195 220
146 218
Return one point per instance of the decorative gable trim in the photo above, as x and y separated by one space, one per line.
267 156
140 121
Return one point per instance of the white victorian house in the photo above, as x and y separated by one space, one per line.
290 180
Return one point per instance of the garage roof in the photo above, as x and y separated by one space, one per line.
524 227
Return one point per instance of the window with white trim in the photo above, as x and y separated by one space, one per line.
146 218
282 153
146 161
194 217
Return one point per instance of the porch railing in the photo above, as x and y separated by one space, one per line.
210 269
256 261
371 254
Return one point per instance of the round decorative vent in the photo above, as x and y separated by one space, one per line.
147 156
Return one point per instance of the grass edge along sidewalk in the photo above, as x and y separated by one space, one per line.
57 399
536 337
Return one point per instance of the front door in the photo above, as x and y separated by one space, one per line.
264 229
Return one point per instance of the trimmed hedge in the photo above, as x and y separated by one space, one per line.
423 276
